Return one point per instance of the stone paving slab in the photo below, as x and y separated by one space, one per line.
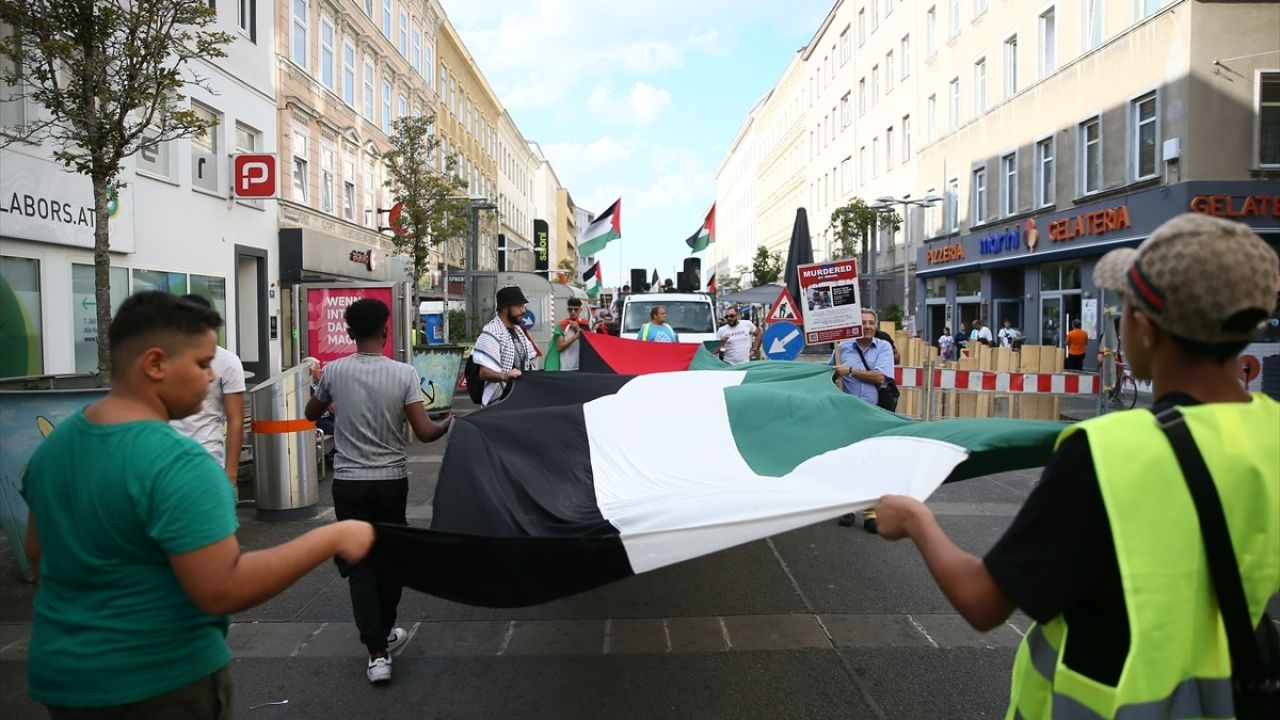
953 631
636 635
775 632
557 637
269 639
457 639
873 630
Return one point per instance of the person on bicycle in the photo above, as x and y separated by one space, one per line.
1108 543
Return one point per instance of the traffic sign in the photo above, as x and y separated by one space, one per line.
253 175
783 309
783 341
528 320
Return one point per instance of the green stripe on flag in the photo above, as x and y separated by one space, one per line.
597 243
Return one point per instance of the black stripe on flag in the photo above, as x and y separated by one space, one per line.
591 272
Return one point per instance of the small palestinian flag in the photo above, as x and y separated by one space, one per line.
711 284
583 498
592 278
706 234
606 228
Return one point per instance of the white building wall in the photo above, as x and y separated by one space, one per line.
164 224
517 166
782 169
736 237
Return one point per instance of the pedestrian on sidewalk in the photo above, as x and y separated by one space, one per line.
740 339
503 351
863 365
1077 342
947 344
131 535
223 407
370 466
1110 543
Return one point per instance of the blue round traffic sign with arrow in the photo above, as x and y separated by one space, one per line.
528 320
783 341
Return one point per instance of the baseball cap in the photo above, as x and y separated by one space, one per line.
1199 277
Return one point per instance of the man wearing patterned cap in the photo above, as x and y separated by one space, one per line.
1109 543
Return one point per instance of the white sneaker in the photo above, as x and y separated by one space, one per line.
397 638
379 669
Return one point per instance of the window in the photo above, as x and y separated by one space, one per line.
1268 119
155 160
862 27
931 32
301 179
846 47
953 19
368 9
84 312
1044 172
404 34
1091 19
326 178
386 107
979 192
980 87
1011 66
370 217
888 72
247 139
862 165
1090 143
247 20
402 107
1048 43
444 81
888 7
327 76
386 19
875 15
888 149
953 104
428 62
875 84
953 204
931 119
368 90
1143 143
1009 185
875 156
205 151
906 138
349 187
846 176
979 7
904 49
22 351
349 73
298 30
845 114
416 50
1147 8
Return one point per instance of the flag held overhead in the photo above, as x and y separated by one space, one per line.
606 228
705 235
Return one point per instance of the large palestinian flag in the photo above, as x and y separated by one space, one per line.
579 479
606 228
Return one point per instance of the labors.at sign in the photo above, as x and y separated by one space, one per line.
832 303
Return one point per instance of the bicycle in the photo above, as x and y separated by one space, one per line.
1124 394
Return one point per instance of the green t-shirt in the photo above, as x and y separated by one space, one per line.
111 503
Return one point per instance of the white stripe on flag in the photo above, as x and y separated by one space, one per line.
682 490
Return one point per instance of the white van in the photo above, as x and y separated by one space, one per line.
691 314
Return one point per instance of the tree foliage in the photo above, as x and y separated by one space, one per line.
850 224
568 269
433 204
765 266
108 78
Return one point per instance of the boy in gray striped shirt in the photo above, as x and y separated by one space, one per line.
373 396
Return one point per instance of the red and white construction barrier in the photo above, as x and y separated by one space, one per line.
1002 382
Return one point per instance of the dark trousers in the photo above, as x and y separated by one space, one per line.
208 698
1074 362
375 589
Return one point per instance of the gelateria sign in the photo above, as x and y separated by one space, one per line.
1228 206
1096 223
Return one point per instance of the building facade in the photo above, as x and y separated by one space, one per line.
737 219
516 167
780 176
174 227
1034 198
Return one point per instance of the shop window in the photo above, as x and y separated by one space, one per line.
21 322
205 149
935 287
84 312
213 289
156 160
1060 276
968 284
170 282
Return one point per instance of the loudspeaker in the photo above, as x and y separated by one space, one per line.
638 278
693 273
682 281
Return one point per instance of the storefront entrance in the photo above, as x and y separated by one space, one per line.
1060 301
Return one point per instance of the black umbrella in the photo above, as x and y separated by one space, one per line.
800 253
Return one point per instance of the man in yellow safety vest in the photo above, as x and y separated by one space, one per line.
1108 543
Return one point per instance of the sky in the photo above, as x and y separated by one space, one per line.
635 100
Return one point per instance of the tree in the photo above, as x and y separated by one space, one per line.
433 204
852 223
732 283
568 269
107 75
765 267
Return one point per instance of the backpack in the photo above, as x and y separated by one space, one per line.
475 386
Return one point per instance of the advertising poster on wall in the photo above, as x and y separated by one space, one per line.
831 302
327 338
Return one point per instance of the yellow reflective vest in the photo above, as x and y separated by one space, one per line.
1179 663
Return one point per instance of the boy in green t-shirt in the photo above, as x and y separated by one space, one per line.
132 533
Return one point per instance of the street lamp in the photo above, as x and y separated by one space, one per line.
887 202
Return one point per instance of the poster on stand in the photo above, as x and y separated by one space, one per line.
327 337
831 302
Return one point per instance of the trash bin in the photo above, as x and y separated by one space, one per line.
284 446
438 367
434 326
